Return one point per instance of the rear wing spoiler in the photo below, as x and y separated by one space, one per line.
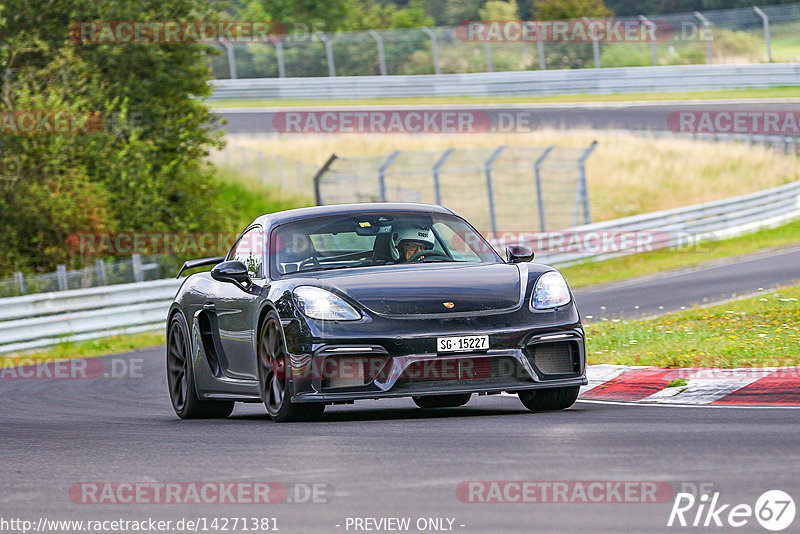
203 262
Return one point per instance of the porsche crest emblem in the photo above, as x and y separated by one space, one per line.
448 305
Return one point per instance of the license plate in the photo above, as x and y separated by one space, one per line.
462 343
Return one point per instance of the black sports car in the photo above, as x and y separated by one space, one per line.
333 304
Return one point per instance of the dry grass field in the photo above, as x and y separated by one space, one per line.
627 174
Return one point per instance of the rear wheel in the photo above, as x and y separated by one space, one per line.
540 400
273 370
442 401
180 377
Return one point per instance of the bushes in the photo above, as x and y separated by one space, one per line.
144 170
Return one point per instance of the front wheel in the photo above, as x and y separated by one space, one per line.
442 401
180 377
540 400
273 371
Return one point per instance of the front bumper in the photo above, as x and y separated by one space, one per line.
341 372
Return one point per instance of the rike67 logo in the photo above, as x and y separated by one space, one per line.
774 510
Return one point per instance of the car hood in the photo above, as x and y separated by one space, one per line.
430 289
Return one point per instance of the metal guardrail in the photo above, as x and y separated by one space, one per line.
35 321
40 320
570 81
732 36
678 228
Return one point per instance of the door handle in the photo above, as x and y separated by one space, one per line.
208 306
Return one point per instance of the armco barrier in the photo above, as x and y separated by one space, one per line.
43 319
677 78
718 219
34 321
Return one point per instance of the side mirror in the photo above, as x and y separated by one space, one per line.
518 254
233 271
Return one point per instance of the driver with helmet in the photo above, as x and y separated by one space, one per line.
408 241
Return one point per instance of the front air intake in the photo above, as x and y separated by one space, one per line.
559 358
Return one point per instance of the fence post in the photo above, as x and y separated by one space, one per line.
438 165
281 174
381 56
707 33
583 192
765 20
262 167
61 277
382 173
537 172
489 190
434 49
20 279
279 55
653 54
487 49
136 264
328 53
595 44
100 267
540 47
231 58
317 177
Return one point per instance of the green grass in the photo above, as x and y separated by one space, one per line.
753 332
774 92
590 273
68 350
245 200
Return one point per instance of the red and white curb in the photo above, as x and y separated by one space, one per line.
745 386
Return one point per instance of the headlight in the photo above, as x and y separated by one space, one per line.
551 291
317 303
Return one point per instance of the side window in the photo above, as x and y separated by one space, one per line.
250 251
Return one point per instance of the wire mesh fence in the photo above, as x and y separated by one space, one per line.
738 35
508 187
246 164
135 268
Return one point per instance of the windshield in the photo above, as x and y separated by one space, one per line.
361 240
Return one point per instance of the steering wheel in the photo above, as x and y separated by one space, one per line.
425 253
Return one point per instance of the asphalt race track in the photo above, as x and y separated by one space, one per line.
667 292
390 459
380 459
652 115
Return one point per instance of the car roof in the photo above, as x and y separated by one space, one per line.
297 214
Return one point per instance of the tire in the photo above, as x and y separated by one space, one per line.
180 377
540 400
273 374
442 401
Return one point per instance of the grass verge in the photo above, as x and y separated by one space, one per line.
772 92
627 174
615 269
245 199
68 350
753 332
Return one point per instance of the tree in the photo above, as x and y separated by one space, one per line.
144 170
499 10
570 9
